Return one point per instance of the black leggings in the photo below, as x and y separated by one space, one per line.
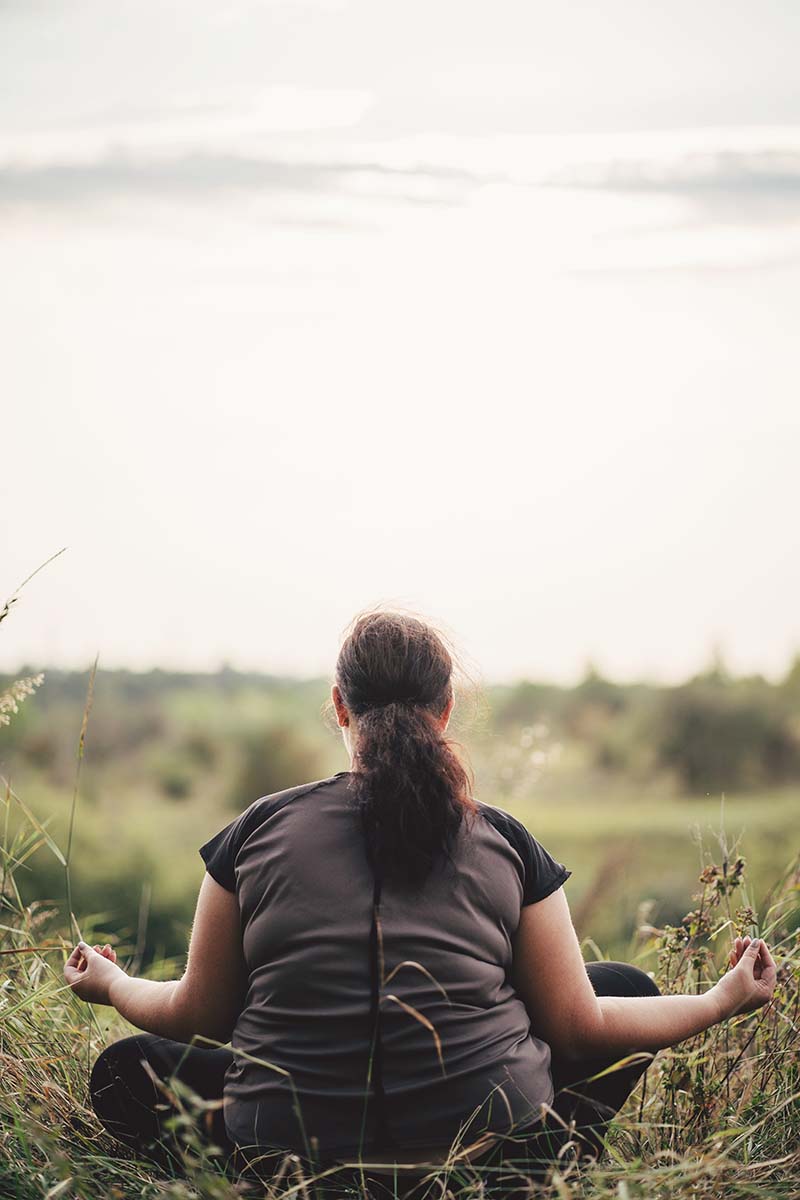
134 1110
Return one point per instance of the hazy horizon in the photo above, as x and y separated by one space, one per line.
480 679
310 307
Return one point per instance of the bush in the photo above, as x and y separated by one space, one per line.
273 759
718 737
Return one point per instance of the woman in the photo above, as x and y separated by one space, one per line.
393 962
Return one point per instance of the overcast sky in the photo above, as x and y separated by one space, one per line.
488 311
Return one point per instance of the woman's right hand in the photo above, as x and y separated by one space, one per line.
750 982
90 971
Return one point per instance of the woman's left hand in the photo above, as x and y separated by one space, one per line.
90 972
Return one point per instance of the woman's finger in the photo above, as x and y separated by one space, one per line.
86 952
72 975
766 968
74 958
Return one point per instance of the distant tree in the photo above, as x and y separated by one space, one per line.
525 703
273 759
201 748
716 673
790 685
596 690
590 707
717 737
175 778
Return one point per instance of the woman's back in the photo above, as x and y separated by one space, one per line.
452 1032
354 937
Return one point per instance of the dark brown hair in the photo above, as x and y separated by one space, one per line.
412 791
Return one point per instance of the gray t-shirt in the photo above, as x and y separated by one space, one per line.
356 1033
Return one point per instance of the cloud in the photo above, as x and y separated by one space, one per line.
250 144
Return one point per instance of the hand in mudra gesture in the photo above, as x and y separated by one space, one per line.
750 982
90 970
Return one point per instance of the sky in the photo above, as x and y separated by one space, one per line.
489 312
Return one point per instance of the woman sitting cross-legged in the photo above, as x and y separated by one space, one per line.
394 964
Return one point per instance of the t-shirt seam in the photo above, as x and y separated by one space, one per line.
306 790
296 795
484 809
510 821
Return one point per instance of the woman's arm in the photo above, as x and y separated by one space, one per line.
205 1001
550 976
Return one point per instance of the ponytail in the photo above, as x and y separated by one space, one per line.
407 784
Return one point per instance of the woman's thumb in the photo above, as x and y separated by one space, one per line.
752 951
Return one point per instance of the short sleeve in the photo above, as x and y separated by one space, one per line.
540 873
543 873
219 853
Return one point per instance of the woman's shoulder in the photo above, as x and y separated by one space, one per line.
266 806
540 873
501 820
221 851
270 805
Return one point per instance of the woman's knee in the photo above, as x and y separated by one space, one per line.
119 1074
621 979
119 1056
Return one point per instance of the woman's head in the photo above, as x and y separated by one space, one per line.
393 695
391 658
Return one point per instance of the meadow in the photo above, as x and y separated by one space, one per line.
104 810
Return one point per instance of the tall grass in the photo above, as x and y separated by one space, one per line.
717 1115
